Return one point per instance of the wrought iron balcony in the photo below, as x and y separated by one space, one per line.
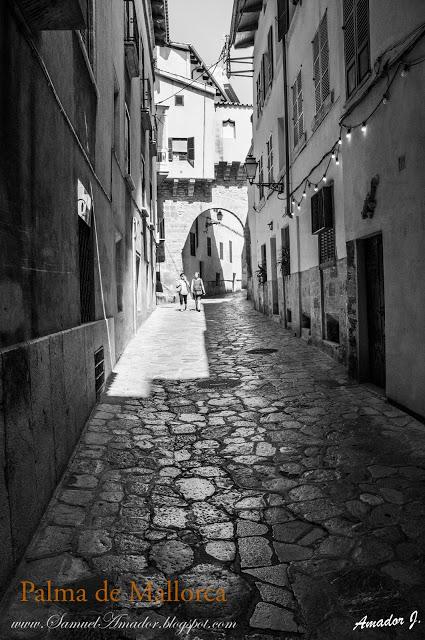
44 15
131 39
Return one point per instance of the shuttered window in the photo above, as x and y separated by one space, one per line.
286 252
261 177
297 105
270 57
356 42
270 159
191 151
321 63
327 246
192 242
282 18
322 216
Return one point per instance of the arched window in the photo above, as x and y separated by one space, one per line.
229 129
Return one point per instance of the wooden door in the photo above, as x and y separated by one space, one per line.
375 308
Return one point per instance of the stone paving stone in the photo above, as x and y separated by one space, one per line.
303 483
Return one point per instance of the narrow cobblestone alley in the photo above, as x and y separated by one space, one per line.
229 454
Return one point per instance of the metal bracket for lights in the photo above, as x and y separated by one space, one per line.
251 165
210 223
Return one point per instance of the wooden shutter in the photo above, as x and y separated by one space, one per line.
362 38
350 46
328 206
322 214
191 151
316 71
316 213
170 149
270 54
324 57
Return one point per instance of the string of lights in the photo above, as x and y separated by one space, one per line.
335 151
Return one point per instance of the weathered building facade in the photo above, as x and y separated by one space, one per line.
202 132
327 244
77 228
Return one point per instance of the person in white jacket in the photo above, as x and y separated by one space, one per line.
182 287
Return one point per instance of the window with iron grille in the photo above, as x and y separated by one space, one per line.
270 159
209 247
86 267
356 42
282 18
230 251
261 177
197 232
87 34
119 273
321 63
179 101
221 251
99 371
264 256
268 63
297 106
192 240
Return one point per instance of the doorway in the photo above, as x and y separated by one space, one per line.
275 289
371 254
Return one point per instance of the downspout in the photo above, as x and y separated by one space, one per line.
203 140
287 155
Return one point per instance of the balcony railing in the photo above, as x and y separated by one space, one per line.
131 39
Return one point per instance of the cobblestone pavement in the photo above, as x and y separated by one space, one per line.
271 475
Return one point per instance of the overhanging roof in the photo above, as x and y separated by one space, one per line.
245 18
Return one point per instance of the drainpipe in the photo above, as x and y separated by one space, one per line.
287 156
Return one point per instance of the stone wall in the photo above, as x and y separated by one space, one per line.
47 390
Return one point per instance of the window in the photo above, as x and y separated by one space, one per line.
230 251
197 232
282 18
268 62
281 141
209 252
116 140
356 42
264 257
261 177
179 101
119 271
86 267
201 269
127 143
270 159
229 130
321 63
217 279
221 251
297 105
181 149
192 240
322 210
286 251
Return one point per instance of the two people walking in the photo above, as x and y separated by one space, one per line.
196 288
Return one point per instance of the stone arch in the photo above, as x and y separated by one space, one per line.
181 203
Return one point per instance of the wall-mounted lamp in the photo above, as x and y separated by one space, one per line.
270 225
210 223
251 165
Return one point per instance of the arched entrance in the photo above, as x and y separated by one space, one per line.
215 247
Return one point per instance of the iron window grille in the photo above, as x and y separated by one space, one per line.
321 63
87 35
230 251
209 247
261 177
270 159
86 268
192 238
356 42
99 371
221 251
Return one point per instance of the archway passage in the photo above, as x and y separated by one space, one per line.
180 205
215 248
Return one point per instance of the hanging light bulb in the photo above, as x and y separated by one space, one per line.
316 188
293 202
385 98
333 155
324 178
337 161
299 206
404 71
304 194
364 127
340 141
348 134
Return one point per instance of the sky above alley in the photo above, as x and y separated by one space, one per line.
205 23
